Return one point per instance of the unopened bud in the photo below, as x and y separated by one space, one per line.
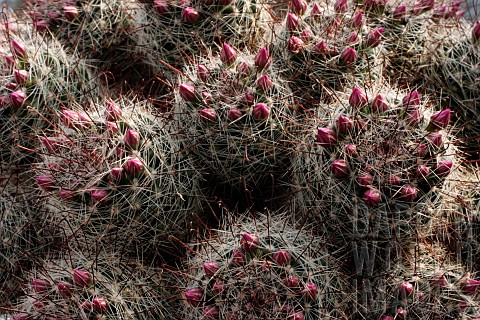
292 282
406 289
249 242
374 37
234 114
190 15
100 304
40 285
298 6
365 180
372 197
310 291
262 59
211 313
132 139
339 168
202 73
208 114
326 137
292 22
238 259
322 49
210 268
46 182
133 166
439 120
357 99
295 45
340 6
348 56
357 20
282 257
228 55
476 32
17 98
408 193
411 101
350 150
187 92
112 111
20 76
379 104
261 111
194 296
265 83
64 289
70 12
344 124
443 168
81 278
244 70
161 6
98 196
19 49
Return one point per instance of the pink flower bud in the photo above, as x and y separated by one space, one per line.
421 150
295 45
133 166
70 12
348 56
161 6
261 111
46 182
385 317
208 114
408 193
470 286
132 139
351 150
22 316
357 20
38 304
238 259
414 118
365 180
262 59
374 37
344 124
292 22
249 242
439 120
264 82
249 99
322 49
400 12
422 172
440 12
339 168
87 306
406 289
75 120
228 55
436 139
116 174
219 286
282 257
372 197
67 195
340 6
476 32
20 76
112 111
234 114
310 291
187 92
326 137
190 15
194 296
443 168
40 285
379 104
298 6
394 180
202 73
98 196
244 70
306 36
19 49
10 60
210 268
111 127
411 101
211 313
297 316
64 289
81 278
317 11
357 99
292 282
372 5
99 304
207 97
17 98
440 281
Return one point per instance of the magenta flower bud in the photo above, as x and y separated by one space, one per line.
132 139
249 99
295 45
436 139
414 118
317 11
249 242
234 114
265 82
297 316
353 38
19 49
422 172
244 70
357 20
190 15
379 104
64 289
210 268
310 291
46 182
292 21
98 196
81 278
476 32
372 197
292 282
262 59
386 317
306 36
112 111
440 281
365 180
261 111
238 258
202 73
439 120
161 6
322 49
326 137
348 56
440 12
298 6
208 114
339 168
411 101
351 150
228 55
22 316
187 92
40 285
100 304
357 99
443 168
406 289
408 193
282 257
207 97
400 12
470 286
374 37
70 12
87 306
17 98
211 313
344 124
116 174
111 127
67 195
340 6
421 150
133 166
20 76
218 286
394 180
37 304
194 296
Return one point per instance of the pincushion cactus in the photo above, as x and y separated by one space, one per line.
261 268
236 117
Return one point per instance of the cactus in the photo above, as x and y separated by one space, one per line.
236 117
119 175
78 285
261 268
